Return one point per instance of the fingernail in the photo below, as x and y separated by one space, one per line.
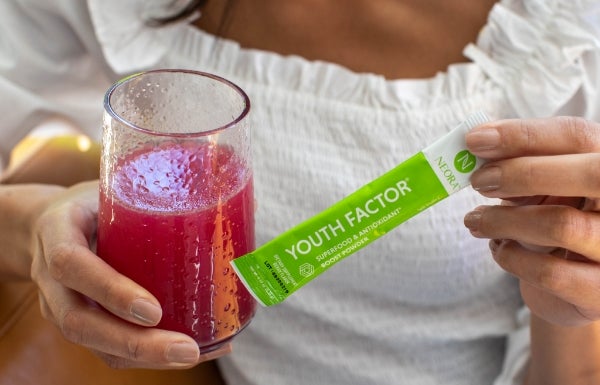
482 139
183 353
146 311
487 179
472 220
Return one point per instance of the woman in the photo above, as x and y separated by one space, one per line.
340 95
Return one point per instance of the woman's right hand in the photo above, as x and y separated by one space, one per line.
548 236
91 303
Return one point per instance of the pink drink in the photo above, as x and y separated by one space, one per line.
177 214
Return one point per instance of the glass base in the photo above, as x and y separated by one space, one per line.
215 345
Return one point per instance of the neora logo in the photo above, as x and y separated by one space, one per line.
464 162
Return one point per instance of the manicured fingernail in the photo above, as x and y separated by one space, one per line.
183 353
487 179
472 220
482 139
146 311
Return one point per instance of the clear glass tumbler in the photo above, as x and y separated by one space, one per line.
176 197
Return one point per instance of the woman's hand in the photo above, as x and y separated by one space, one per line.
548 231
90 302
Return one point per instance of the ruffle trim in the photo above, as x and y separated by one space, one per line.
535 51
531 50
125 32
130 45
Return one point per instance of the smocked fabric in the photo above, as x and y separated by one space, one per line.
533 50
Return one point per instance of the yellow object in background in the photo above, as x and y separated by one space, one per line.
63 159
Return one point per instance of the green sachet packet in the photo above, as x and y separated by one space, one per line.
281 266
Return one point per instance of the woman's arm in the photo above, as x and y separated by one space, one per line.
548 235
19 206
563 355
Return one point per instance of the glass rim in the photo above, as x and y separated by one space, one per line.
245 111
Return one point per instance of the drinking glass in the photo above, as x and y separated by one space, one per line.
176 197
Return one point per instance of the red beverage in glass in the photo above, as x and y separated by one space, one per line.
173 218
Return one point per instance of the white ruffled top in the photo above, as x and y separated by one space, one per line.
424 305
534 50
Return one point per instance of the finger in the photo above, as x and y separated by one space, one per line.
554 226
123 363
552 308
576 202
529 137
45 309
115 292
91 326
560 175
71 262
524 200
572 281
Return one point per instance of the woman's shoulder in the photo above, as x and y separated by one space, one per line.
538 51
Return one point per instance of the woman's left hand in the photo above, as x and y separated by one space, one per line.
547 231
